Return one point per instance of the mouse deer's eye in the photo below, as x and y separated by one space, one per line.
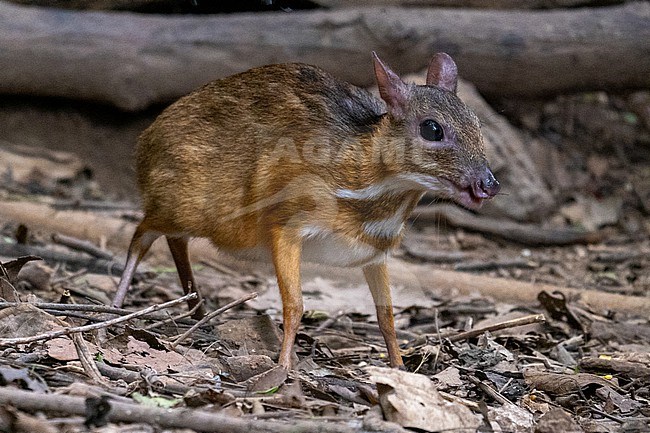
431 130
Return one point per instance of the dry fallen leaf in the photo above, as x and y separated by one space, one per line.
37 275
23 378
535 405
27 164
62 349
412 401
449 378
562 384
622 403
16 421
633 365
25 320
557 420
512 418
257 335
139 352
13 267
8 274
268 380
7 291
592 213
241 368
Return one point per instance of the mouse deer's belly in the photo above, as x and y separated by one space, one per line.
322 247
355 243
329 248
347 243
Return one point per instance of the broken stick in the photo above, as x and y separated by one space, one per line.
199 420
66 331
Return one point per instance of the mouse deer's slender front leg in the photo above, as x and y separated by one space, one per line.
286 248
377 278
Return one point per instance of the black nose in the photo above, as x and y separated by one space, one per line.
485 185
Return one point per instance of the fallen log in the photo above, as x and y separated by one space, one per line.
483 4
132 61
119 5
186 418
438 282
174 5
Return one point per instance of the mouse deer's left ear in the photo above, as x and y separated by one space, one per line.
391 88
443 72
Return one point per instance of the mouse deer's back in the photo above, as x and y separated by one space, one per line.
218 161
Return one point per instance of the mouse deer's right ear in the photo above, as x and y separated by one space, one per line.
443 72
391 88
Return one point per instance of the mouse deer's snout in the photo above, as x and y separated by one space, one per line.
485 185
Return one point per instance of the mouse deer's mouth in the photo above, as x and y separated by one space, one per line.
472 193
464 195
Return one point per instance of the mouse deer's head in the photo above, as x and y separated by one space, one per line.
441 137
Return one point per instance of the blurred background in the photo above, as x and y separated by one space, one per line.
561 86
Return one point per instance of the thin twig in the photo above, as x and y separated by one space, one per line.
606 415
507 384
620 256
94 326
94 205
437 317
81 245
76 260
174 319
521 321
402 334
75 314
455 399
454 336
330 321
529 234
87 362
490 391
72 276
130 376
221 268
210 316
92 308
483 266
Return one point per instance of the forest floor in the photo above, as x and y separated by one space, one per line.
482 360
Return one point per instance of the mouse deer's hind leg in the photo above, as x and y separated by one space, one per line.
140 244
178 247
